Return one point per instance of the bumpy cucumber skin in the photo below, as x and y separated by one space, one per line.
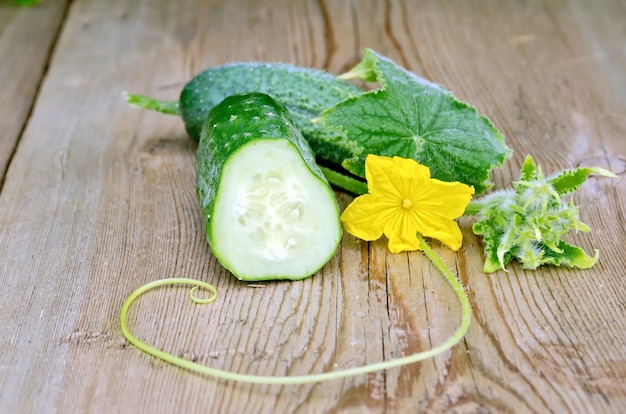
305 92
236 121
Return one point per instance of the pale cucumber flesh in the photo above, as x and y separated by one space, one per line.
273 218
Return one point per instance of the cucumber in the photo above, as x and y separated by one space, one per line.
305 92
269 212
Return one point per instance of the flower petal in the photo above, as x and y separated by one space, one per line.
382 178
445 199
401 237
362 219
411 169
445 230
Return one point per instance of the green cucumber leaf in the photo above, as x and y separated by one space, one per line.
572 256
571 180
528 169
413 118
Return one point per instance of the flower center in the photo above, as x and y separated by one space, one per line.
407 203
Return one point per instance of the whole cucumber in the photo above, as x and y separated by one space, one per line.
305 92
269 212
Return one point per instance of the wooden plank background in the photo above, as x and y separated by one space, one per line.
26 41
98 198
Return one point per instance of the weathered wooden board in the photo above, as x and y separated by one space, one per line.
27 36
100 199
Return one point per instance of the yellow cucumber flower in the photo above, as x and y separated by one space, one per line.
402 201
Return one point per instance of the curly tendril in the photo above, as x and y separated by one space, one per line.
302 379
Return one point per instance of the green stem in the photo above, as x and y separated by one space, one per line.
456 286
300 379
347 183
145 102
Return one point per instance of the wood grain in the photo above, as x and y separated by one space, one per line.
27 36
100 199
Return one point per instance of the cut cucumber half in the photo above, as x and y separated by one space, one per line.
270 214
273 217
